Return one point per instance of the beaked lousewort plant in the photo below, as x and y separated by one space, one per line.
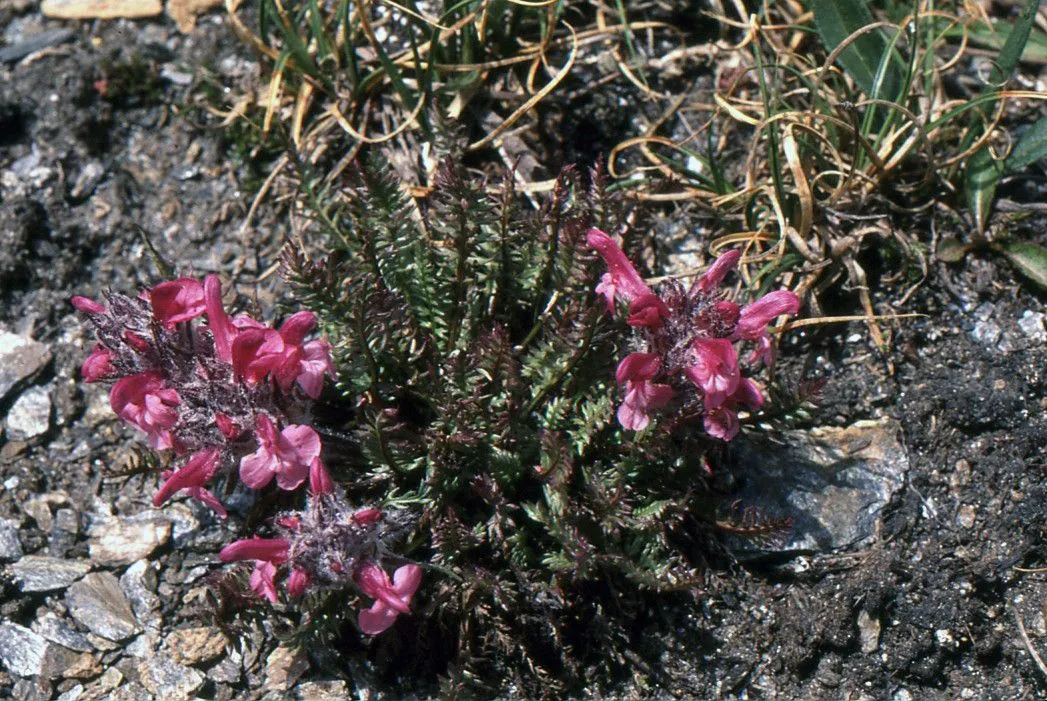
481 479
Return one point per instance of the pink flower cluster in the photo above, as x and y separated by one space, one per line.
686 341
329 544
231 395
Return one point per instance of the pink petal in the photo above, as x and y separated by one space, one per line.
86 305
637 366
258 468
624 279
715 368
301 441
377 619
297 583
714 276
721 423
319 478
406 580
755 317
98 365
262 580
197 472
297 327
271 549
176 301
209 500
647 310
218 323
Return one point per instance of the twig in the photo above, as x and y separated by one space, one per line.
1028 644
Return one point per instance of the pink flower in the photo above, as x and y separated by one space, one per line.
714 276
98 365
722 421
297 583
754 317
262 582
229 428
647 310
319 478
287 455
366 517
715 369
261 351
143 400
641 395
176 301
391 598
192 477
272 550
218 322
86 305
621 278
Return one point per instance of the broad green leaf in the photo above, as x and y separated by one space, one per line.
1029 149
982 172
1028 258
952 250
868 55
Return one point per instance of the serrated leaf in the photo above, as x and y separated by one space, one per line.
1028 258
865 57
952 250
1031 147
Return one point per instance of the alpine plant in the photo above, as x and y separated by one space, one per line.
232 397
685 344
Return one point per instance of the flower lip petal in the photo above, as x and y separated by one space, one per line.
714 276
623 280
270 549
86 305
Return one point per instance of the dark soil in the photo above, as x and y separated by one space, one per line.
99 139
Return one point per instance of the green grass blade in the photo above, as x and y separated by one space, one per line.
995 36
1013 47
863 59
1029 149
1028 258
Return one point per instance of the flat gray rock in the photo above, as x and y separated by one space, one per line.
139 585
21 359
21 650
46 573
27 654
166 679
97 603
116 542
10 545
55 628
833 482
30 415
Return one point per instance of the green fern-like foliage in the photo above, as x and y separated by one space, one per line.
478 369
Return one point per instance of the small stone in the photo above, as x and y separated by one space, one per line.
57 630
166 679
98 604
21 359
966 516
1031 324
986 332
100 689
87 180
131 691
336 690
22 651
145 645
139 585
84 666
283 667
184 12
39 508
36 689
30 415
101 9
45 573
191 646
10 545
72 694
115 542
868 632
229 669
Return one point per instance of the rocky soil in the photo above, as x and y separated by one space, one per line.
911 573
